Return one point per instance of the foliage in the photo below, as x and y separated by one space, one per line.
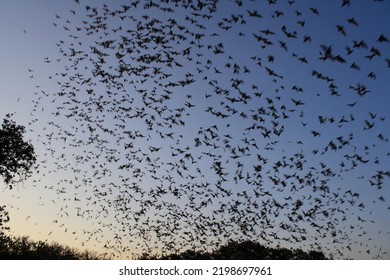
16 159
245 250
4 218
22 248
16 155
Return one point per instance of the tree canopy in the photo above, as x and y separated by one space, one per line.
4 218
23 248
17 156
245 250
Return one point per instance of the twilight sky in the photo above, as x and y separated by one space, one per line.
162 127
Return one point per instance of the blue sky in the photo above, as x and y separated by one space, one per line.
86 190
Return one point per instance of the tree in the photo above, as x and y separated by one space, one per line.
22 248
244 250
4 218
16 159
16 155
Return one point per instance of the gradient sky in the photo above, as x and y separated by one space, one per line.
63 200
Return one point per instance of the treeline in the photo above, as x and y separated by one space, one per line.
244 250
22 248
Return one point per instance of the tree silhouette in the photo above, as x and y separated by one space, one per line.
245 250
22 248
4 218
16 160
16 155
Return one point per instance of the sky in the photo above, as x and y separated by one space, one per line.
261 120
